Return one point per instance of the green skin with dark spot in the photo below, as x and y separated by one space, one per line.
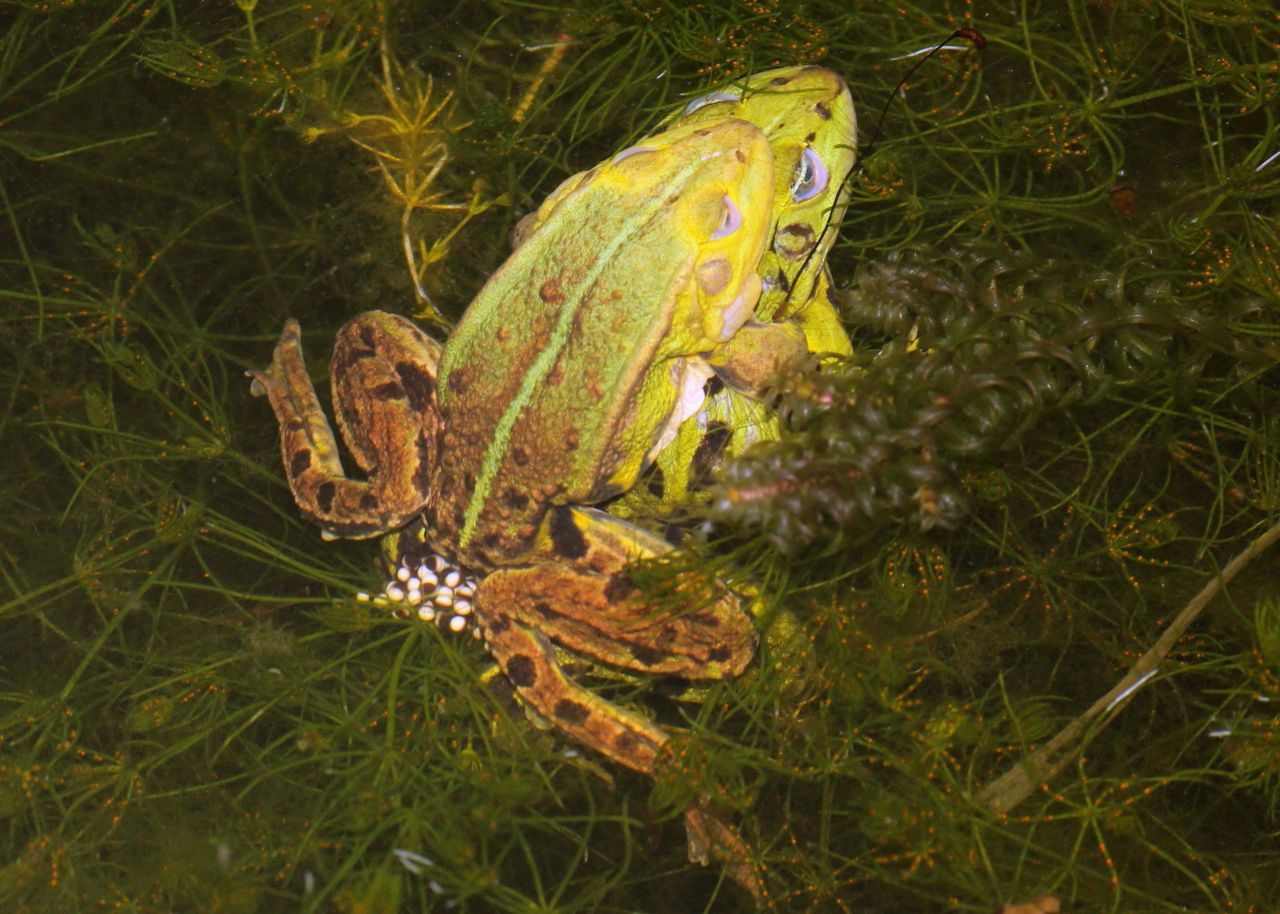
557 381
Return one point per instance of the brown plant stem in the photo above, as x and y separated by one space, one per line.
1019 782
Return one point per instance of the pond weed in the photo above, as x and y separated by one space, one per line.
1061 271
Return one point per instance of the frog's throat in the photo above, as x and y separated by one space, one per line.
542 366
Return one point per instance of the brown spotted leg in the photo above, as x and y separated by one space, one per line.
529 661
384 395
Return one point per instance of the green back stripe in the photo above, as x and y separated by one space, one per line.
543 364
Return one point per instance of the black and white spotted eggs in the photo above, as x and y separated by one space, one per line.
432 588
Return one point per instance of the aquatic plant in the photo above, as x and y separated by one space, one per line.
1060 269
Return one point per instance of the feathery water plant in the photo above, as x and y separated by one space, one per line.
1060 270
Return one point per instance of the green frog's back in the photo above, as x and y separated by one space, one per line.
568 368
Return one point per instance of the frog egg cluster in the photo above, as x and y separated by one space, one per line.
432 588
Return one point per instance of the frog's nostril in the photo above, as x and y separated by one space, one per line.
811 176
730 220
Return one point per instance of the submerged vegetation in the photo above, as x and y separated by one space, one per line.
1061 269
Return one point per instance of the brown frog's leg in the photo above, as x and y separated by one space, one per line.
576 590
384 395
529 661
710 836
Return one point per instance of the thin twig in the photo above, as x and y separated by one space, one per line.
1019 782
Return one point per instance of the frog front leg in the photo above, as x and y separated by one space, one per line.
819 318
384 394
759 355
735 414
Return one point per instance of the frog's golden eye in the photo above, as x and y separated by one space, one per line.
810 178
730 220
711 98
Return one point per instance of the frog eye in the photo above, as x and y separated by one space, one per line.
811 176
730 221
629 152
710 99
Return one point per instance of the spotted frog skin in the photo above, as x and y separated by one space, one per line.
575 365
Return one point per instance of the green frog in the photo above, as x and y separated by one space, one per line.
567 372
576 365
808 115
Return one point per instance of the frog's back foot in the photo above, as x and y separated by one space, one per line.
710 837
384 397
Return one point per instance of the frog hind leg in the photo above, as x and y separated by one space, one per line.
576 589
529 662
384 395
